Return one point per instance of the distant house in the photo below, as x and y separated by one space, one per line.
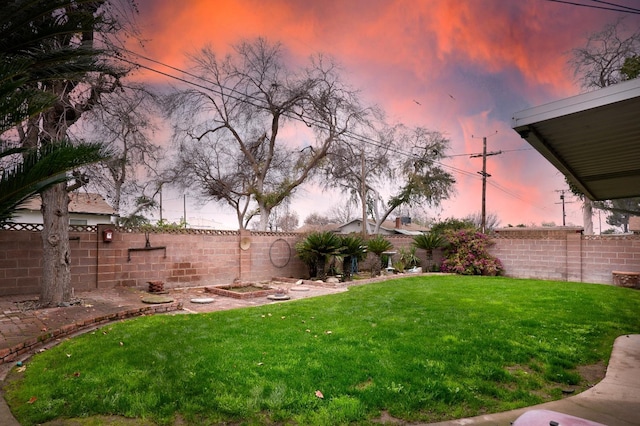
634 224
402 225
84 209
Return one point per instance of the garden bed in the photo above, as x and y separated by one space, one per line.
243 290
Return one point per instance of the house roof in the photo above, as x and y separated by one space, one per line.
592 138
81 202
390 226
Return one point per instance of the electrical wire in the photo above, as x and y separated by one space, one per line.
616 8
354 136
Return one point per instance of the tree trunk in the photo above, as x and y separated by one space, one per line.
587 216
56 281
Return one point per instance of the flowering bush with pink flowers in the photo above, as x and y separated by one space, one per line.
467 253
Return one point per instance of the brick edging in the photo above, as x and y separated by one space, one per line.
13 353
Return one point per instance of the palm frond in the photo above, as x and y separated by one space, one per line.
40 169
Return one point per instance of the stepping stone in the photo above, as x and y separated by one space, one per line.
156 299
299 288
278 297
202 300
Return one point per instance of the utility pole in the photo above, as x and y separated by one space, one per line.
485 175
184 209
562 201
363 195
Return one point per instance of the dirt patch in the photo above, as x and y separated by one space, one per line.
592 374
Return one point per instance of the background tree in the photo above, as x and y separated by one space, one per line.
124 121
492 221
620 211
631 67
342 212
601 63
73 29
317 219
282 219
232 127
401 162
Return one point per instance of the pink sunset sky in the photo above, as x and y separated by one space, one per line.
462 67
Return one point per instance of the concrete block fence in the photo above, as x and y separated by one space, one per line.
191 257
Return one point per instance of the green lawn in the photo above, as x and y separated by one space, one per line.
421 349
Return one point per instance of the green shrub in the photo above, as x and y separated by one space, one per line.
378 245
351 247
407 259
429 242
316 250
467 254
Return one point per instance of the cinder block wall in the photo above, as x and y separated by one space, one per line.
197 257
563 253
179 259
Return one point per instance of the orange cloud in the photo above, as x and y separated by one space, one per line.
469 64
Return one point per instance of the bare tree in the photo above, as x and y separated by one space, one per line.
287 222
318 219
233 120
343 212
601 63
398 168
124 122
492 221
85 30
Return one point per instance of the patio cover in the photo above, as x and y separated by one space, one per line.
592 138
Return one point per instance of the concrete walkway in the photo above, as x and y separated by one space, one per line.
615 401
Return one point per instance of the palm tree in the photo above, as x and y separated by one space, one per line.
351 247
316 250
429 242
40 169
378 245
48 49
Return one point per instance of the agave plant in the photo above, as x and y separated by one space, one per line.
316 249
378 245
429 242
352 248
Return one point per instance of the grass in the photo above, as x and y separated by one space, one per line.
420 349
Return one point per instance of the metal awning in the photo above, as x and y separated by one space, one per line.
592 138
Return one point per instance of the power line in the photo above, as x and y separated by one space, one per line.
352 135
616 5
501 151
617 8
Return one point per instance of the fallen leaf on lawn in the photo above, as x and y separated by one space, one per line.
328 331
319 394
283 317
32 400
121 344
269 314
76 374
261 363
263 316
308 331
21 369
68 355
